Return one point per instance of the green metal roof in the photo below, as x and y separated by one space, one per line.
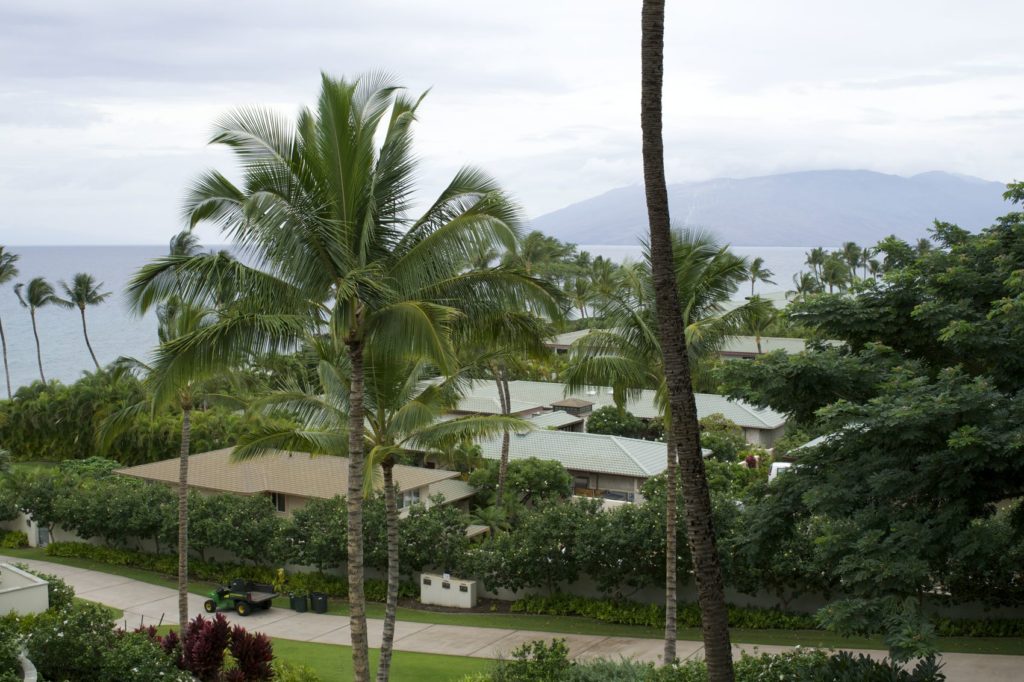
556 419
584 452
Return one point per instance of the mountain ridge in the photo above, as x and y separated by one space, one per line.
790 209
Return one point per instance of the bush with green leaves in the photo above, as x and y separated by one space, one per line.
612 421
318 535
13 539
528 480
10 647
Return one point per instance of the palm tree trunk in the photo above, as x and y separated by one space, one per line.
7 370
671 550
757 340
85 333
391 505
186 437
356 594
683 408
39 352
503 400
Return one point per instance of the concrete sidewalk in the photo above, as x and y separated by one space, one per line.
145 604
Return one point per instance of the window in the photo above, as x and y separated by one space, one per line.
278 500
408 498
581 481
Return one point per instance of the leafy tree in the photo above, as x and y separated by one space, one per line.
41 494
724 438
254 528
529 480
432 537
612 421
38 293
316 534
81 293
8 271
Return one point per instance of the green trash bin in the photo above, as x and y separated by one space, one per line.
299 602
318 600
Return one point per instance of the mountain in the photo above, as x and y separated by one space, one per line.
791 209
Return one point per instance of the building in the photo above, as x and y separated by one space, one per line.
291 479
540 399
742 347
608 467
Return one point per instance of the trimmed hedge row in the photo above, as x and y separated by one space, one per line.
218 572
653 615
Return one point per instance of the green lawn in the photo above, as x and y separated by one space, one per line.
565 624
333 663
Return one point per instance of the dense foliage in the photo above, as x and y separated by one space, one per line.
917 490
539 661
55 422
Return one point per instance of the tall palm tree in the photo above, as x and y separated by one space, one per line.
759 273
175 320
8 271
38 293
323 216
403 413
627 355
81 293
683 408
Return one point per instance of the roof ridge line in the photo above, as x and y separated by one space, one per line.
641 467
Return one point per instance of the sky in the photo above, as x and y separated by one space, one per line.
106 107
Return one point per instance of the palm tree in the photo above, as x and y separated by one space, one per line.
805 283
175 320
403 413
38 293
323 213
8 271
835 272
851 254
816 259
758 315
83 292
683 408
759 273
627 354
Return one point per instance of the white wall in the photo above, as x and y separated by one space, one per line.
22 592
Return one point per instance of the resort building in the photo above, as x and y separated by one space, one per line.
291 479
608 467
542 399
741 347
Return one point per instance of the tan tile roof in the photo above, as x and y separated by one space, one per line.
293 473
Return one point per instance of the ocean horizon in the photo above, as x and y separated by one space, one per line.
115 331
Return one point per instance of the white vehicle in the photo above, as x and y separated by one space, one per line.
778 468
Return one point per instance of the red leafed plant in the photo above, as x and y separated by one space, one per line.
253 654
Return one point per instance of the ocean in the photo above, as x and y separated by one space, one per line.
114 331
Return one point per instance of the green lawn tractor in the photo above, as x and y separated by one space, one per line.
242 596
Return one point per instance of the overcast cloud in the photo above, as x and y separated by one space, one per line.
106 106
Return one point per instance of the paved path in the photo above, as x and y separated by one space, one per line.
147 604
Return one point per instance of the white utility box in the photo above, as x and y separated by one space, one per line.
444 590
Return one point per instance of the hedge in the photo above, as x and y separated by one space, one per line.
653 615
223 572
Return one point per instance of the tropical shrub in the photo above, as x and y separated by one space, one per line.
529 480
13 539
10 647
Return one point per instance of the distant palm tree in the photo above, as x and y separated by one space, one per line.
758 315
851 254
759 273
816 259
81 293
805 283
8 271
923 246
38 293
835 273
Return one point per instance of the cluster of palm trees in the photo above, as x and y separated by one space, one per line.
838 270
82 292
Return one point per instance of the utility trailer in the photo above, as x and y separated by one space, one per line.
242 596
